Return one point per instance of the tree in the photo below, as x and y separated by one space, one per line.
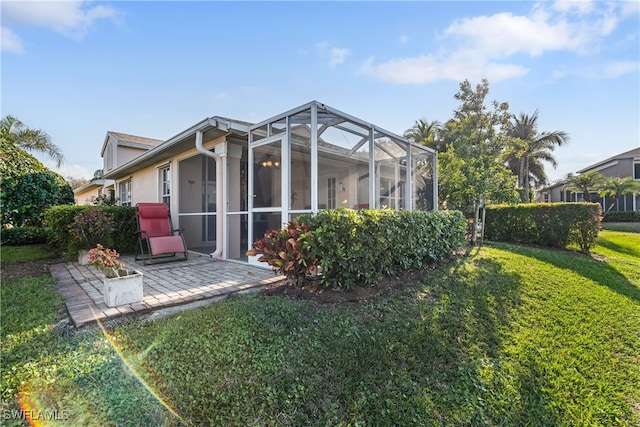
15 132
27 187
76 182
426 133
617 187
584 183
470 169
529 149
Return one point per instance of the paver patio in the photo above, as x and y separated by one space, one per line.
164 285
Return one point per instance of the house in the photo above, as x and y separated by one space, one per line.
621 165
228 181
117 149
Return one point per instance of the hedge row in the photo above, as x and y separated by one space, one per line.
358 248
28 235
123 239
547 224
630 216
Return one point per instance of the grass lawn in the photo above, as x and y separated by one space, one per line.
508 336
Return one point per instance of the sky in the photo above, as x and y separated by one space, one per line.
78 69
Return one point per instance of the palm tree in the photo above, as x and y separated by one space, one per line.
585 182
617 187
426 133
15 132
530 149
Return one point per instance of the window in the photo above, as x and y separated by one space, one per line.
165 185
636 171
125 192
331 193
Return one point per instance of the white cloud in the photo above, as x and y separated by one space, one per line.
337 56
74 171
429 68
581 7
69 18
482 46
619 68
11 42
503 34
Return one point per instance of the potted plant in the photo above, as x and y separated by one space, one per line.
121 286
90 227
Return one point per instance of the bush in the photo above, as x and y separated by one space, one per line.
28 235
61 218
547 224
24 198
358 248
630 216
27 187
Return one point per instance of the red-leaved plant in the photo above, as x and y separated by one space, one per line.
91 226
287 250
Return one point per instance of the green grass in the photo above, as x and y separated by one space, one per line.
24 253
509 336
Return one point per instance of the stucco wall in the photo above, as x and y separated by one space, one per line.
84 197
126 154
145 183
623 168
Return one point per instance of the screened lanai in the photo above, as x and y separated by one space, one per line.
315 157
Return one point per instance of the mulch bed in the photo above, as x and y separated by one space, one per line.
323 295
32 268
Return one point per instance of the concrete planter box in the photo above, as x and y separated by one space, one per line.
82 257
123 290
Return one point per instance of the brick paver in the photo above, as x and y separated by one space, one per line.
164 285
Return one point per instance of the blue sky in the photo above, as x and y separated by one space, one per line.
78 69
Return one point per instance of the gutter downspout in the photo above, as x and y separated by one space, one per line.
219 201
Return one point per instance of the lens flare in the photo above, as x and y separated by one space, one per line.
135 372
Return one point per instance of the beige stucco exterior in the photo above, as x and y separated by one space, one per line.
85 196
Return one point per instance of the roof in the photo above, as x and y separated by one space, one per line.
134 140
217 126
626 155
94 183
242 122
214 127
550 187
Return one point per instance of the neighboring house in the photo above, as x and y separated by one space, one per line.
117 149
88 193
621 165
228 181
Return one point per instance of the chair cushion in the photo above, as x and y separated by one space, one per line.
166 245
153 210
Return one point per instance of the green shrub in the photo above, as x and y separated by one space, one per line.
547 224
287 250
58 219
61 218
358 248
27 187
24 198
630 216
28 235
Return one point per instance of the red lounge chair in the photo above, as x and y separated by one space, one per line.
156 236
